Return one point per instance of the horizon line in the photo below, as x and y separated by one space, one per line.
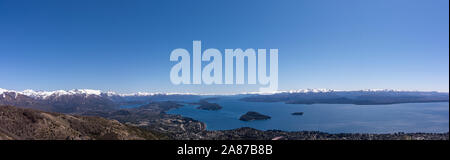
97 91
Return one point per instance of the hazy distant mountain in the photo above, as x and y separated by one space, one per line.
19 123
363 97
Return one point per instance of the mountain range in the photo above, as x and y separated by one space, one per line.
79 100
362 97
83 100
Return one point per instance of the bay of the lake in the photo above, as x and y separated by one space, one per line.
331 118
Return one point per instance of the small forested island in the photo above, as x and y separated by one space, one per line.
297 113
250 116
205 105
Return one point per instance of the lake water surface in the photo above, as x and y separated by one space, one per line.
331 118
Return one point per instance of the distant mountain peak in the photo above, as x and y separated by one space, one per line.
85 92
89 92
46 94
333 90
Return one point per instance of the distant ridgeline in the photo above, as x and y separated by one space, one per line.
79 101
351 97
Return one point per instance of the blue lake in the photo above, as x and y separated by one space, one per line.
331 118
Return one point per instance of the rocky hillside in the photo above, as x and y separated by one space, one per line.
20 123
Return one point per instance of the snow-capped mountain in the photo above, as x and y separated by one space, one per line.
59 101
46 94
91 92
81 100
85 92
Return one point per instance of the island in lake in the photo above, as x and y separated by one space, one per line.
297 113
250 116
205 105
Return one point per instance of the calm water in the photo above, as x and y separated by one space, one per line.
332 118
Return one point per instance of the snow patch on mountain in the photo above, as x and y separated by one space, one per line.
88 92
3 90
46 94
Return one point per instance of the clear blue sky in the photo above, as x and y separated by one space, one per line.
124 46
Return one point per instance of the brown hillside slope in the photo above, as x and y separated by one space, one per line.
20 123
